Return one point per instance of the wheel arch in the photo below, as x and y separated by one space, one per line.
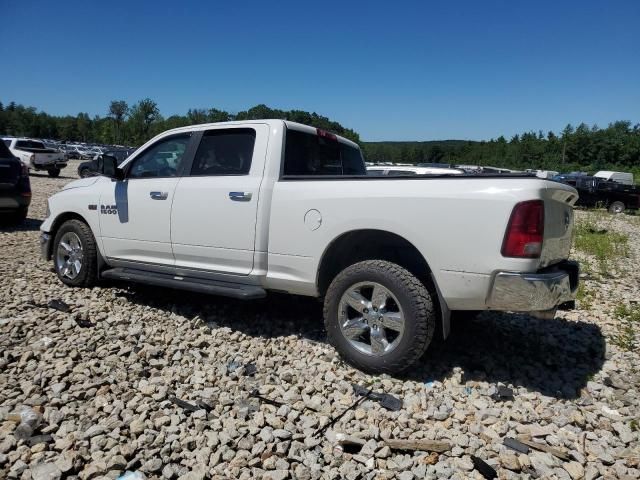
59 221
374 244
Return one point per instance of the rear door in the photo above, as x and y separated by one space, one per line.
213 220
135 213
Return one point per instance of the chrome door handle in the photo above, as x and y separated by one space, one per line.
240 196
158 195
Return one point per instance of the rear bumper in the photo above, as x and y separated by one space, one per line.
534 292
49 165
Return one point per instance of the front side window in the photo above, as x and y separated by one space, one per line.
162 159
224 152
309 154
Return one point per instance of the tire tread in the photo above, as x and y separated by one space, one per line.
89 279
425 311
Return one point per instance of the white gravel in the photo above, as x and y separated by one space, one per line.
105 390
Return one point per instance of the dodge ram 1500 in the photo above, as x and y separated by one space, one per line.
242 208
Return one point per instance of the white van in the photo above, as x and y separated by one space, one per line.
624 178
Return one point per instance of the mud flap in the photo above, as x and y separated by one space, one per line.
444 311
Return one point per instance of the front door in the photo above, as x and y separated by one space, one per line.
135 213
213 220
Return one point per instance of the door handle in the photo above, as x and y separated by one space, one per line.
240 196
158 195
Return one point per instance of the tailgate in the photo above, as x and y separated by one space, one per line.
558 222
46 158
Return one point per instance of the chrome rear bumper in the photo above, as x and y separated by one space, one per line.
534 292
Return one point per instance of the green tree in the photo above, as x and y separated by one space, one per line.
118 110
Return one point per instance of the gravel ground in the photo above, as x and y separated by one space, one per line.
104 376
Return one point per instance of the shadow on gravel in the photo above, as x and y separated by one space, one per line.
46 175
553 357
29 225
278 315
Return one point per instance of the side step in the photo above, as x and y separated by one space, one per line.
226 289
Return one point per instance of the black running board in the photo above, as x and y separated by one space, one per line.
200 285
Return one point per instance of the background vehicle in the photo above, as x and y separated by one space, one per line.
241 208
90 168
615 197
625 178
15 189
396 171
35 155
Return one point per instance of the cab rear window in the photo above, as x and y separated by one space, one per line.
29 144
308 154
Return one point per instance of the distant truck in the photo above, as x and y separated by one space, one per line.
625 178
36 156
615 197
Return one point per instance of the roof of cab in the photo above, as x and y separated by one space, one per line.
271 122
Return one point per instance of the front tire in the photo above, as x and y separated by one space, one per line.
379 317
75 255
616 207
54 172
84 172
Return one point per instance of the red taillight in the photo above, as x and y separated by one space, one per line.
327 135
525 231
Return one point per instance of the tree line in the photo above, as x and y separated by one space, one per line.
575 148
133 125
584 147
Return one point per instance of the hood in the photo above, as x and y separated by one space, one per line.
82 182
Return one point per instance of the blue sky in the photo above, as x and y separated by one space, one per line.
391 70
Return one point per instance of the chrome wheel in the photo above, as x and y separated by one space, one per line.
371 318
69 256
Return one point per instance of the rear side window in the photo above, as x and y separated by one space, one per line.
224 152
309 154
29 144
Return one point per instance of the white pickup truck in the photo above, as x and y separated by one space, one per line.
35 155
242 208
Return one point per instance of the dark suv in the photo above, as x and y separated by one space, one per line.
15 189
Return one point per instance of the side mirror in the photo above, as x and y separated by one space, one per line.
108 166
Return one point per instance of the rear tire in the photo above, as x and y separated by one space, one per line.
407 303
84 172
54 172
75 242
616 207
